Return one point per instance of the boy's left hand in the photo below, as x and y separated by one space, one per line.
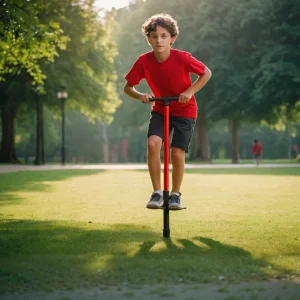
185 97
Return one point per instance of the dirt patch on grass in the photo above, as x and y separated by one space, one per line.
274 289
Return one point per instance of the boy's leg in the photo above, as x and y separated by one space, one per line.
155 137
178 160
183 132
154 163
257 159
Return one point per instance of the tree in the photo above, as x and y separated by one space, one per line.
277 56
24 42
84 65
245 40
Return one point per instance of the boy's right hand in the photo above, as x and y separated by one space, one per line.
144 98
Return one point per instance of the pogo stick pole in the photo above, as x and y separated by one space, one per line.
166 101
166 229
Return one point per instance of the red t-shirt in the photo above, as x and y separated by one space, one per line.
168 79
257 148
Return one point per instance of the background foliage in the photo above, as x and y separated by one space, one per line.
252 48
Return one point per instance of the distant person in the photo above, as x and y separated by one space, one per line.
257 151
167 72
296 149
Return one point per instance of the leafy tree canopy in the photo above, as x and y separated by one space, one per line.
25 40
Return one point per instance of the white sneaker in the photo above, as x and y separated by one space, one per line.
156 201
174 202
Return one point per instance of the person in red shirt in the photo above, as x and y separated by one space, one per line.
167 72
257 151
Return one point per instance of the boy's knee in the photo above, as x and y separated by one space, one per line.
154 144
177 153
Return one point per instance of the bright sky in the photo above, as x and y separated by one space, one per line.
109 4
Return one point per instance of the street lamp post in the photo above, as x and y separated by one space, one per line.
63 96
39 147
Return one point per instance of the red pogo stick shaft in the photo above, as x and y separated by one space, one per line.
166 148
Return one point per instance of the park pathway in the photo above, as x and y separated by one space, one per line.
18 168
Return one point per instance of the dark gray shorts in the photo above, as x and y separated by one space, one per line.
183 129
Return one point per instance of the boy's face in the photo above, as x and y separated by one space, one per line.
160 40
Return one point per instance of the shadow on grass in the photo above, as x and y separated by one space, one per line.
51 255
35 181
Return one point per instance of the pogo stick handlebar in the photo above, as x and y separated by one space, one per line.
164 99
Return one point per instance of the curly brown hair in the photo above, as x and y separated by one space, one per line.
164 20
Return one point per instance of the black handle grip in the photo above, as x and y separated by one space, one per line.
164 99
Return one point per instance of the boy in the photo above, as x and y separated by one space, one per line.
167 72
257 151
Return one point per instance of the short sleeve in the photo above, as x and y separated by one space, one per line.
136 73
195 66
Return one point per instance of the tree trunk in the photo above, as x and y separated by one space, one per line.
235 141
8 151
203 139
194 152
200 149
42 133
290 146
105 144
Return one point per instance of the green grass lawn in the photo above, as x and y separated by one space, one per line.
68 229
